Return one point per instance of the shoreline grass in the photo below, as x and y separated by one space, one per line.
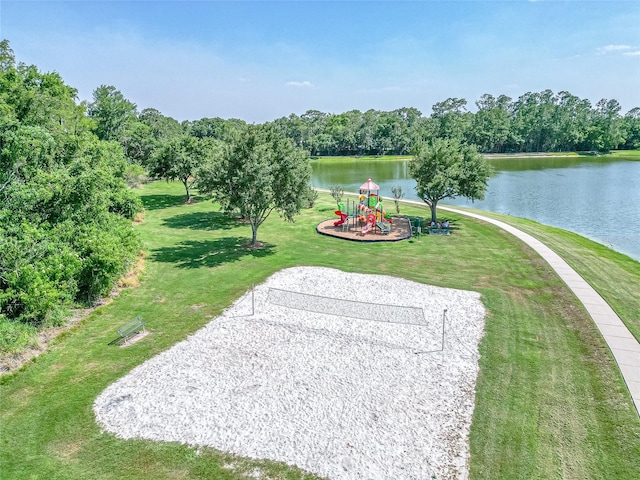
550 401
614 154
363 158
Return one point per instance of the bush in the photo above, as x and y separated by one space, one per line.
312 196
107 250
38 278
125 203
135 176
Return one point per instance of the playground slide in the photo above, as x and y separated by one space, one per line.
343 218
367 227
385 227
371 222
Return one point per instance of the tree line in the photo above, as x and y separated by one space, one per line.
535 122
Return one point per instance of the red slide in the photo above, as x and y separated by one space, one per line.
343 218
371 221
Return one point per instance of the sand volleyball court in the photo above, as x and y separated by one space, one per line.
344 375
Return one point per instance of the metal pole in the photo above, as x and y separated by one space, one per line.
444 316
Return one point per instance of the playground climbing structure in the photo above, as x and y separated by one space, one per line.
367 214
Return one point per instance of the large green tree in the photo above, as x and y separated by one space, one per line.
257 172
162 127
607 127
144 136
446 168
7 58
216 128
113 113
572 117
452 119
631 124
180 159
491 123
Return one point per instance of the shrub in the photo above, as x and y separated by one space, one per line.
107 250
135 175
38 279
125 203
336 192
312 196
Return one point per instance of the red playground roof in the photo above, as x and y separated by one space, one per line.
369 185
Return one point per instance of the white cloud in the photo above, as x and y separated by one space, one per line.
634 53
306 83
612 49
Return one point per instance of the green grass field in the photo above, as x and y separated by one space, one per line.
550 401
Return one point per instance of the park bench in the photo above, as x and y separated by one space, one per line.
129 329
439 231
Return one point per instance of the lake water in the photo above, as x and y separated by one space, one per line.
596 197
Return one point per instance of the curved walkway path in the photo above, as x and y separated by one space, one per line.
623 345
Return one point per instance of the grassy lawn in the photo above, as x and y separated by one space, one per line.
534 154
627 154
550 402
615 276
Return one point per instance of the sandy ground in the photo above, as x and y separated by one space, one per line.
400 230
362 391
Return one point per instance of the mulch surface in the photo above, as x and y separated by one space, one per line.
400 230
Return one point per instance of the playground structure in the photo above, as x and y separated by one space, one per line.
366 215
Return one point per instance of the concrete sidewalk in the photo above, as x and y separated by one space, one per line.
623 345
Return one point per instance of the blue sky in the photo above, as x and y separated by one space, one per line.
262 60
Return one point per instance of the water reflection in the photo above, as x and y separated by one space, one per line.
544 163
593 196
